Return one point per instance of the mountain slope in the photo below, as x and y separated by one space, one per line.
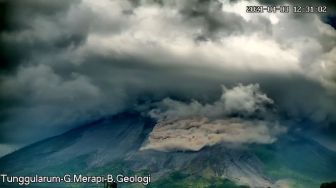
107 138
298 159
111 145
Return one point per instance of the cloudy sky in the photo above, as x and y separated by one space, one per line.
64 63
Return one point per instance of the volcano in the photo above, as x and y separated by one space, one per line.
113 145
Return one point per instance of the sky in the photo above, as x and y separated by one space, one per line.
64 63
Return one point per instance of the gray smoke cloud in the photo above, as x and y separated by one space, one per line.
244 100
192 126
196 133
73 61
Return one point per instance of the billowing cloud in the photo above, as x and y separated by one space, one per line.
80 99
194 134
242 100
193 126
42 83
72 61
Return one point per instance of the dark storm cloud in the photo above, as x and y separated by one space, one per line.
331 20
330 4
208 15
22 21
66 62
328 17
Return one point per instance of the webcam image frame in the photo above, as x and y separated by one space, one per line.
167 93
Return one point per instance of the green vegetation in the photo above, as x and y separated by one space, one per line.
176 179
180 180
304 164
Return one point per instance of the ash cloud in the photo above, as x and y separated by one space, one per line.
238 117
244 101
66 62
196 133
